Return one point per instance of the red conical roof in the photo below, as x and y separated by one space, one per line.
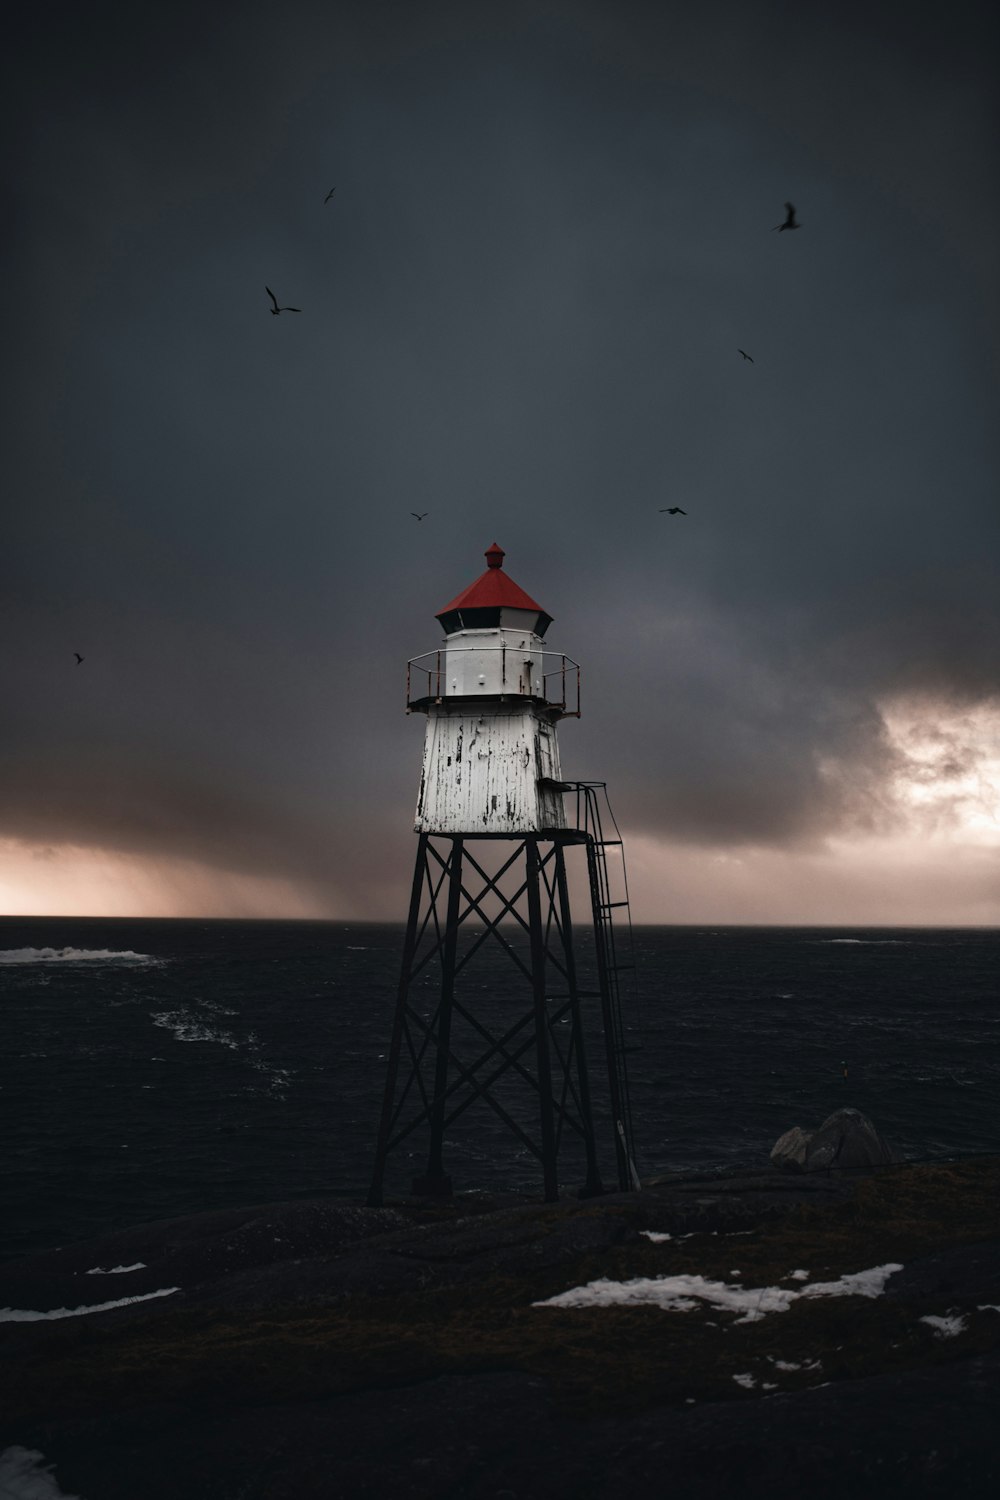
493 589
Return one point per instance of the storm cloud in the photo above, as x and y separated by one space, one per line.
552 231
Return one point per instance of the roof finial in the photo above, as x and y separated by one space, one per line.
495 556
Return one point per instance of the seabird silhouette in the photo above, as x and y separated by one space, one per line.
789 220
745 355
79 658
419 518
672 510
329 195
275 310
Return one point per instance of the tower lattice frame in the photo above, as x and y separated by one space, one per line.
445 1056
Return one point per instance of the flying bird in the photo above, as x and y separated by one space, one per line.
745 355
419 518
275 310
329 195
672 510
79 658
789 220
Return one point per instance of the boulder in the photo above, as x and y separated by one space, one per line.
789 1151
847 1138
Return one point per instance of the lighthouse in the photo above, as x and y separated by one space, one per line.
495 1012
491 759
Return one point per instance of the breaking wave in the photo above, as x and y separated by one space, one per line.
868 942
200 1025
188 1027
74 956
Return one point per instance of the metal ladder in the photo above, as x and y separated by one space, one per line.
592 808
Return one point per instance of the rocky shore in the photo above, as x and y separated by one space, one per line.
836 1334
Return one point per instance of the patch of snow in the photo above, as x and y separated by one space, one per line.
16 1315
854 1284
945 1328
684 1293
674 1294
140 1265
746 1380
24 1475
987 1307
655 1235
797 1276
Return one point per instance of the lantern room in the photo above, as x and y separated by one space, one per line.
493 647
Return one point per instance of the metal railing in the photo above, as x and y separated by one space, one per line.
426 679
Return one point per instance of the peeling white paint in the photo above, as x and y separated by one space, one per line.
482 767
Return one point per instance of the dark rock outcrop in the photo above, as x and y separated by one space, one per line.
847 1138
327 1351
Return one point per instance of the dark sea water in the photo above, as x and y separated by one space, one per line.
157 1068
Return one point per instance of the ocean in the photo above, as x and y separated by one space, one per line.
156 1068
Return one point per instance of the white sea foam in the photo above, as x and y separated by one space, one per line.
684 1293
215 1009
196 1026
19 1315
140 1265
188 1027
74 956
278 1079
24 1475
869 942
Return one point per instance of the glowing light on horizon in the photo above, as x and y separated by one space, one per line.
948 782
71 881
936 863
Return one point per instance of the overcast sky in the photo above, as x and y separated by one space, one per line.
551 233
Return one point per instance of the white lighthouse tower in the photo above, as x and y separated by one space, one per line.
496 820
493 698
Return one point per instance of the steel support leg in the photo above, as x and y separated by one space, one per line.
395 1046
592 1186
542 1058
436 1183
